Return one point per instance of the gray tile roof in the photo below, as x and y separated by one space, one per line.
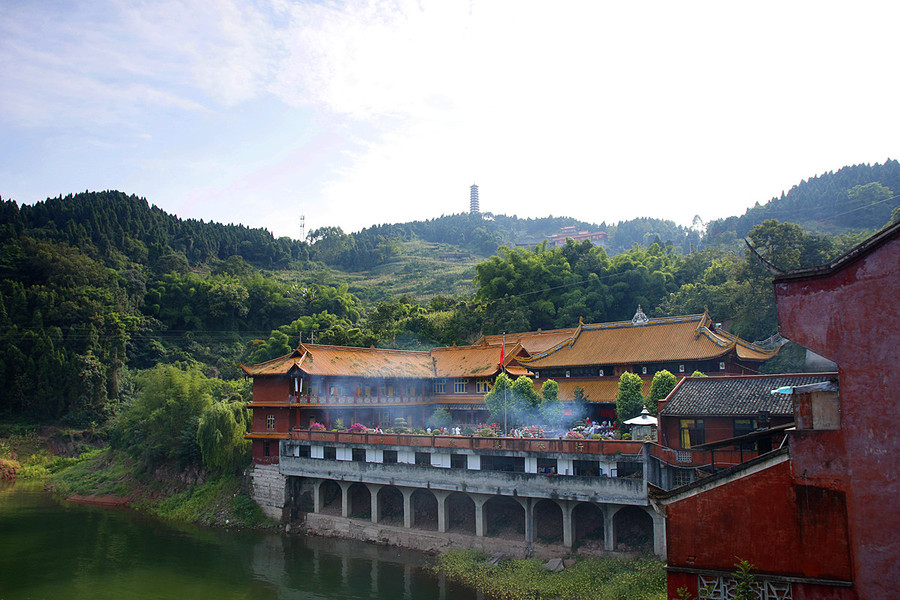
736 395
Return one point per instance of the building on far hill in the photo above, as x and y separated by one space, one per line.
598 238
473 200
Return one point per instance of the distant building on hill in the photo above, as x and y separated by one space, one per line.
598 238
473 200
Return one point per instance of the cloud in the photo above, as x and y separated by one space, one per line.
387 110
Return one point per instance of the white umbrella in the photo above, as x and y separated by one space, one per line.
642 419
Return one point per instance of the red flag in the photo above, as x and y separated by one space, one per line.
503 351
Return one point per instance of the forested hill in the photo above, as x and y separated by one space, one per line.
117 228
861 197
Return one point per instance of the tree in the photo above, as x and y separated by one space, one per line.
220 434
630 398
512 402
500 400
439 419
663 383
551 409
168 399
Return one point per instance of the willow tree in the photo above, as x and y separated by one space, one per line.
220 435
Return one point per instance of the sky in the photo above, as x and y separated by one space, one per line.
353 114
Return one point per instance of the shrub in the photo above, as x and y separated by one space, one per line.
486 432
8 469
317 427
574 435
357 428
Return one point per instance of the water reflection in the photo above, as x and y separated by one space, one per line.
63 550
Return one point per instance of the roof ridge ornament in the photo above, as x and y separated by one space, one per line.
639 317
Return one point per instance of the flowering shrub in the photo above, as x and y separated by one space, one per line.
357 428
317 427
574 435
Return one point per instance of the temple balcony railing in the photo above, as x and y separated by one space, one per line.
354 400
463 442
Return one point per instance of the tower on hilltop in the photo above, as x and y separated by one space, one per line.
473 199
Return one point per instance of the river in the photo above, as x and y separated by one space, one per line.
51 549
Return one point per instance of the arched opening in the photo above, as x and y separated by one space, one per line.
330 495
460 513
634 530
548 522
360 501
587 520
505 517
390 501
425 510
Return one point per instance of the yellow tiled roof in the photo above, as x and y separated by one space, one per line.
666 339
531 341
316 359
277 366
596 390
466 361
660 340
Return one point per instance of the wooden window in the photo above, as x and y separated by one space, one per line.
440 386
270 421
459 386
483 386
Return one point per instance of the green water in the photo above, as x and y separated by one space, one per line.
60 550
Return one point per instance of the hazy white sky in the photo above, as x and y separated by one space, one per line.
359 113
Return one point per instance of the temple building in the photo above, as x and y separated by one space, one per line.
376 386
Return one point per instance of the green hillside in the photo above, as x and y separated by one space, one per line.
99 287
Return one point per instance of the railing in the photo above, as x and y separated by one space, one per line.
473 442
701 458
345 400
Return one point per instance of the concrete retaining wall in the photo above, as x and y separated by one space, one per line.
431 541
268 489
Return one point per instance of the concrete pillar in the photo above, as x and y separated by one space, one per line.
659 533
529 518
345 498
407 506
609 528
479 500
317 495
441 496
567 507
374 488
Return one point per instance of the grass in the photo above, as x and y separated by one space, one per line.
218 501
420 272
214 500
589 578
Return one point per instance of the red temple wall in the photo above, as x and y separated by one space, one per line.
851 317
765 519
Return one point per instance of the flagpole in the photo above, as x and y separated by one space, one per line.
506 386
